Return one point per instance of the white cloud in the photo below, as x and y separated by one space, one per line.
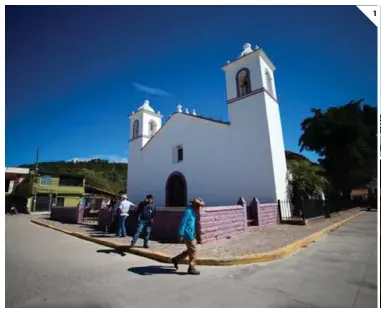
111 158
79 160
150 90
115 158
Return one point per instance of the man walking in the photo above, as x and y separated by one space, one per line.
187 234
146 212
124 208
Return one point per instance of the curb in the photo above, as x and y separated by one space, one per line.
237 260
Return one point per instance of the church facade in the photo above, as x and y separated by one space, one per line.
191 155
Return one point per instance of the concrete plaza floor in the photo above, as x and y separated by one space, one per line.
255 240
45 268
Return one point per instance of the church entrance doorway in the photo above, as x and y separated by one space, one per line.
176 190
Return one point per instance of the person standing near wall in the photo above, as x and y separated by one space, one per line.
187 234
114 208
145 213
124 208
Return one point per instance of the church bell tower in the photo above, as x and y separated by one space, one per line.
256 137
143 126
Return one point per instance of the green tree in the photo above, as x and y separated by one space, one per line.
345 138
305 179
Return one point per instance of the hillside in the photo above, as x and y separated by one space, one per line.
98 173
106 175
295 156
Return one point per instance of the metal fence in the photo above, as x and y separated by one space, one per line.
304 209
290 211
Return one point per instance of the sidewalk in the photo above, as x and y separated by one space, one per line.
256 240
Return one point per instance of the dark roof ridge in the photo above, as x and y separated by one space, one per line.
206 118
190 115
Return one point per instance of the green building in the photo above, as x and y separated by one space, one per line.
51 190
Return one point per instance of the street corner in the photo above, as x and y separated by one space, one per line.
277 253
154 255
339 224
150 254
254 258
36 221
50 226
102 242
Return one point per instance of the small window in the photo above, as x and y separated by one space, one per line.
269 83
152 128
243 82
135 129
45 181
180 154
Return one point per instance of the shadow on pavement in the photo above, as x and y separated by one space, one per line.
113 251
155 270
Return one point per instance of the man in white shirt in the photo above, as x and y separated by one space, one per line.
124 208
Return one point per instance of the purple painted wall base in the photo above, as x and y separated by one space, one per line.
264 214
65 214
212 223
219 222
165 226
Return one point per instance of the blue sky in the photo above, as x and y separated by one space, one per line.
70 70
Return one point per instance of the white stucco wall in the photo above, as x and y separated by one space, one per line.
255 126
266 68
135 167
144 119
257 63
204 166
251 149
221 162
278 155
250 62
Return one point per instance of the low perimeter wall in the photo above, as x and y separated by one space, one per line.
212 223
264 214
65 214
220 221
165 227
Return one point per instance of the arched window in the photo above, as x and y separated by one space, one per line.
135 129
243 82
152 128
269 82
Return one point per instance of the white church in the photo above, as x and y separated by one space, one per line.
191 156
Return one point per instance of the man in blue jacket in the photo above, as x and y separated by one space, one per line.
187 233
145 212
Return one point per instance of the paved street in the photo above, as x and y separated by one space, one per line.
45 268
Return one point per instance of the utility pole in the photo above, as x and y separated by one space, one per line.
114 178
35 180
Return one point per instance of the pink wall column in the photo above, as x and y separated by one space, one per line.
264 214
254 210
243 203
